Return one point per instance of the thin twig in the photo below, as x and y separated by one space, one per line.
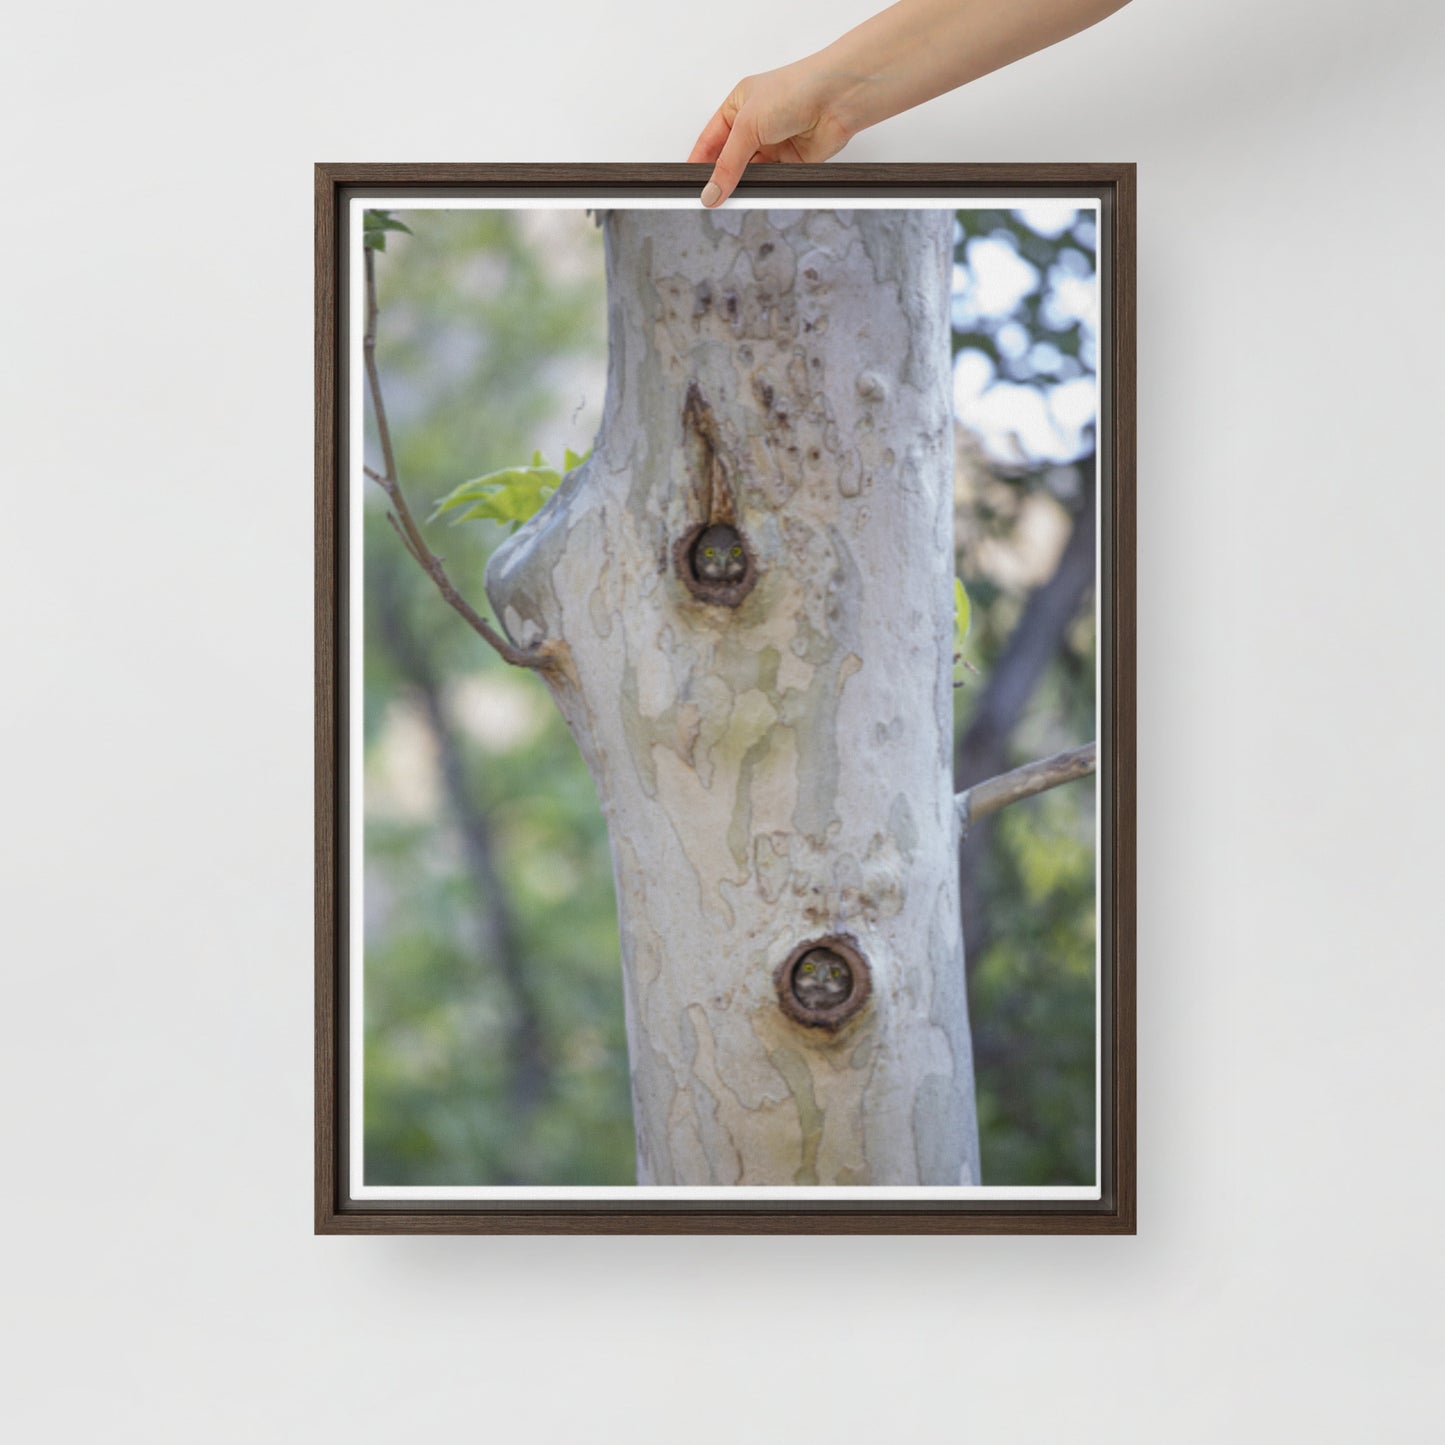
400 517
995 793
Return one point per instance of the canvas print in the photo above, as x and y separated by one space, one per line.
724 599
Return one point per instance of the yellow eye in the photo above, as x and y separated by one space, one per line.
807 968
737 551
709 552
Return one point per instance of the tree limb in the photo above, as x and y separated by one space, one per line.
995 793
542 655
1036 640
529 1074
984 749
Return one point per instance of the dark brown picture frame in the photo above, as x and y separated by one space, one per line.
1114 187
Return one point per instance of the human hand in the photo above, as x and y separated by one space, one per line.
906 54
781 115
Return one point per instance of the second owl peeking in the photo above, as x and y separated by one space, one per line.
717 555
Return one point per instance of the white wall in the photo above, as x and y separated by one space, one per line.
155 338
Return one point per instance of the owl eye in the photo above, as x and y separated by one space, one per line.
709 551
807 968
737 551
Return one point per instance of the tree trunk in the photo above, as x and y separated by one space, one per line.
770 730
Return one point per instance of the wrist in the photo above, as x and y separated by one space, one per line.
839 93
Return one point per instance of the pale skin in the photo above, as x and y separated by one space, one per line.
903 56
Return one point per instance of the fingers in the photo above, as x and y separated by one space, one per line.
710 142
741 146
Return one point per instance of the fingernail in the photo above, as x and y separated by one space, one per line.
711 193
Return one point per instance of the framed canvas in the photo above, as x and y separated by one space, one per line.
725 699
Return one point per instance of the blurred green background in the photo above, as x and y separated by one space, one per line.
495 1050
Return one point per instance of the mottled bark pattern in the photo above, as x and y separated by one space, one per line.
777 770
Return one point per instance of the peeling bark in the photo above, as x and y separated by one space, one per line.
775 766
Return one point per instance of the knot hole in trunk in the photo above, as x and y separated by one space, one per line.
712 558
824 982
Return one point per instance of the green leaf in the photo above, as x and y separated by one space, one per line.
511 495
962 614
375 225
382 221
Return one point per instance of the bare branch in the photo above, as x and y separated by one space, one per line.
541 656
995 793
1013 678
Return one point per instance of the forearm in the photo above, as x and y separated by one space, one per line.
808 111
918 49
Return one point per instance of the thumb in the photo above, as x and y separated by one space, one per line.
740 147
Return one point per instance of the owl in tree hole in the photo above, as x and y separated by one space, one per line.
717 556
821 979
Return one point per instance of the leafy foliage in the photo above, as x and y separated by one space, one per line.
375 225
1024 306
1031 924
1039 340
1033 999
512 495
490 335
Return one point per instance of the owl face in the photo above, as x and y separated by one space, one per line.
821 979
717 556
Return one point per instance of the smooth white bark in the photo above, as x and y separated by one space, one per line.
780 770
